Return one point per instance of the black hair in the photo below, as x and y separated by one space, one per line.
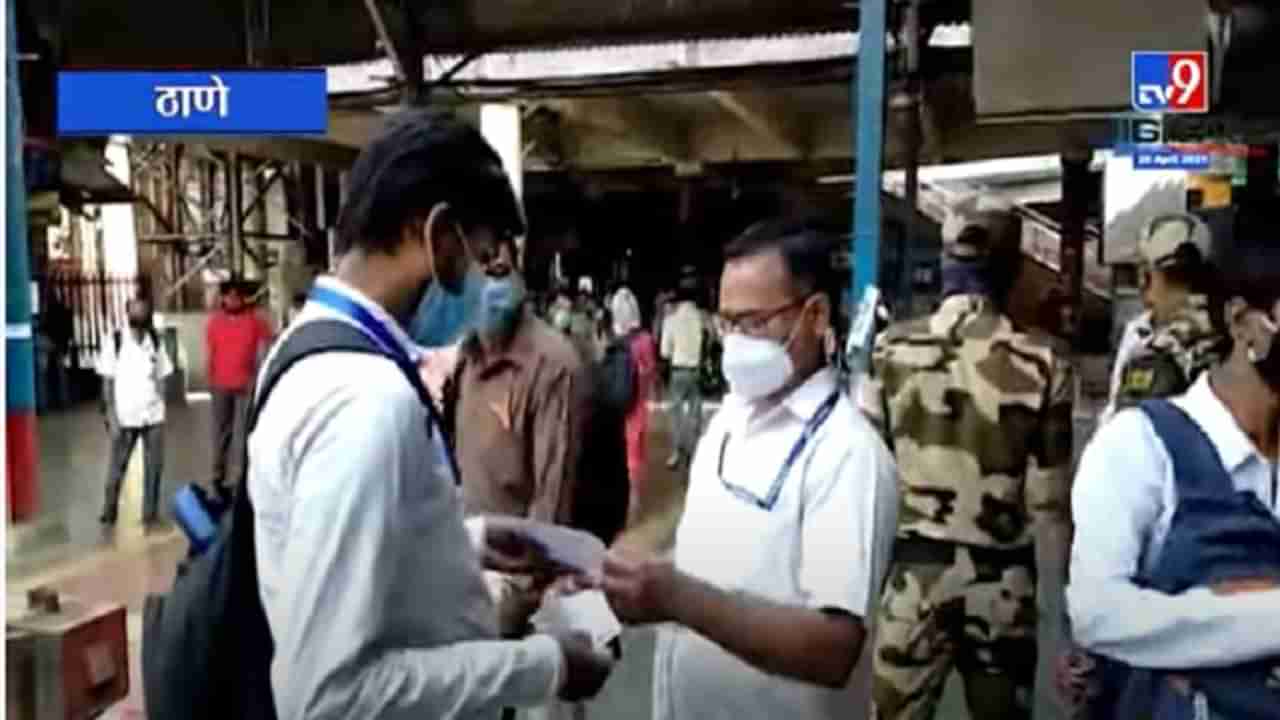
1247 265
299 298
808 254
1189 269
420 159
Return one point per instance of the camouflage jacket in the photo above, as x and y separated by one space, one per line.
979 417
1172 356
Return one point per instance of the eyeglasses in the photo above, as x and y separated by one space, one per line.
754 322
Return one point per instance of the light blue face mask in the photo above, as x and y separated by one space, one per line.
443 318
500 302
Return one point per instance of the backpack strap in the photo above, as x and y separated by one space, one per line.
312 338
1197 467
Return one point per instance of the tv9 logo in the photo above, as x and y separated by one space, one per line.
1170 82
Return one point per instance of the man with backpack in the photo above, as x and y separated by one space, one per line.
133 365
1175 565
346 584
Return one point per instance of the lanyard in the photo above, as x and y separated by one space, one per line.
378 332
370 325
811 428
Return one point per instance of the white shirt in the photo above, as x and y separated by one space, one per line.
1136 332
824 544
1123 502
682 335
137 373
372 588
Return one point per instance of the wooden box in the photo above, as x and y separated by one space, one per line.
79 659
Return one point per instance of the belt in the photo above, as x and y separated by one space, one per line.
922 550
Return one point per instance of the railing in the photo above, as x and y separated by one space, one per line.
79 312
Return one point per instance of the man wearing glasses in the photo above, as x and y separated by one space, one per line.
786 533
979 415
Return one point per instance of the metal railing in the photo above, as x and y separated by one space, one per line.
78 312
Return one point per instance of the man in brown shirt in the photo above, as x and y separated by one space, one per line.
521 403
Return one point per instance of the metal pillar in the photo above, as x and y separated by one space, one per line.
322 217
911 105
869 147
1075 205
235 195
21 449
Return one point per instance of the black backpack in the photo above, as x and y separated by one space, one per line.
206 645
617 378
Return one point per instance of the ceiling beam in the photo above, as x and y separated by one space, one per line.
636 123
764 118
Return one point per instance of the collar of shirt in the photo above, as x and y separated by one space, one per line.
314 310
516 352
800 404
1233 446
958 309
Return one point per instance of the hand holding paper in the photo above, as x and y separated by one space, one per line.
521 546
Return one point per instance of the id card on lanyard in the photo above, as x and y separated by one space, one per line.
811 428
378 332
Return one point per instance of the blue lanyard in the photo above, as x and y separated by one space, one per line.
370 325
811 428
375 329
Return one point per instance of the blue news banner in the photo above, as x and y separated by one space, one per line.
212 102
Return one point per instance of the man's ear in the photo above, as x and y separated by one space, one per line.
439 223
1234 312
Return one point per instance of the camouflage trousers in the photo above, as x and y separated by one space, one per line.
948 606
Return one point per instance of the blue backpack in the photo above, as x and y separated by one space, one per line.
1218 535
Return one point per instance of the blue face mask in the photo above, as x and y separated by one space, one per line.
443 318
500 304
960 277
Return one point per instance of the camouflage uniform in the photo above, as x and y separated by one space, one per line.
1172 357
979 416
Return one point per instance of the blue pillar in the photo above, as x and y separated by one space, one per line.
19 350
869 144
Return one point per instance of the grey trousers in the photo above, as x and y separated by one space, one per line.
122 444
229 416
686 409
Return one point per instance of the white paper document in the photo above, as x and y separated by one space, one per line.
573 549
587 612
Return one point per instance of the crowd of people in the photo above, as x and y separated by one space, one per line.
838 551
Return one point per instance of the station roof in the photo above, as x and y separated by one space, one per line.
198 33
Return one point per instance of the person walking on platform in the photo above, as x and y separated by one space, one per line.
979 416
133 365
684 336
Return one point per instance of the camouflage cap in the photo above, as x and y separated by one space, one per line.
1174 239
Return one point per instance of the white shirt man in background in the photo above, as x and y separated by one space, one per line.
134 365
683 342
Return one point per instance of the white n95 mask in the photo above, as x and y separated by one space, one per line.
755 367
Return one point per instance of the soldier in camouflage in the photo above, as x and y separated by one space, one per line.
979 417
1183 342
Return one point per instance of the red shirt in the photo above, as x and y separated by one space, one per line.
232 342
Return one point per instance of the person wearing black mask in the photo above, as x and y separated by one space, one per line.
133 366
1175 565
